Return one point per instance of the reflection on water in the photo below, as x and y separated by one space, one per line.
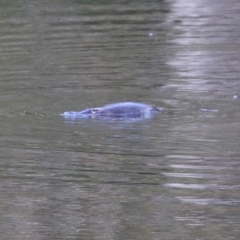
173 176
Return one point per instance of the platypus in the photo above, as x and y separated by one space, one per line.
116 110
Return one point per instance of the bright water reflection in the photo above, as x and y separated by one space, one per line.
173 176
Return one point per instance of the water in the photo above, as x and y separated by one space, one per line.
174 176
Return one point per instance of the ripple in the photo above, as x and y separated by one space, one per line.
202 186
209 201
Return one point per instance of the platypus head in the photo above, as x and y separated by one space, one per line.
90 112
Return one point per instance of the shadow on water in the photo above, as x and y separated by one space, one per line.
172 176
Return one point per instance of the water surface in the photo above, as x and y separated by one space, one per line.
173 176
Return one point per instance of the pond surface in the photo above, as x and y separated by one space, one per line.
173 176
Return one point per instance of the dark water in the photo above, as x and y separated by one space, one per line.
175 176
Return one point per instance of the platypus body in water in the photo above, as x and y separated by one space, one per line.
125 110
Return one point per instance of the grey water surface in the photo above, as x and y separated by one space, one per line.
173 176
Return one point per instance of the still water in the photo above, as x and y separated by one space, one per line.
174 176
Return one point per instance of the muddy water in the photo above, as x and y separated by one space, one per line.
174 176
